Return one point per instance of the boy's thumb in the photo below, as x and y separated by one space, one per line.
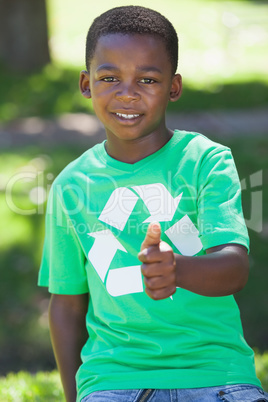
153 236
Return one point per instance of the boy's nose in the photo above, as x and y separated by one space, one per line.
127 93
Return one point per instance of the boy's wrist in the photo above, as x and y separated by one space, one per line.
180 266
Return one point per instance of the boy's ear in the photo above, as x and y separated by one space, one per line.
176 88
84 84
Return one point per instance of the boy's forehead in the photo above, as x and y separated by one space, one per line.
126 46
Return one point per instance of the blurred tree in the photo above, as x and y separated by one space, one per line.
23 34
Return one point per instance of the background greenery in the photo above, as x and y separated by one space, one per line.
24 387
224 58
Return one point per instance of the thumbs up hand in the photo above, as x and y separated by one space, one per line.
159 267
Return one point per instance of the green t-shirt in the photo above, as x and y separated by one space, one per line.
97 217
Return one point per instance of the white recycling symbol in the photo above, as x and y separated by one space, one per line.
162 207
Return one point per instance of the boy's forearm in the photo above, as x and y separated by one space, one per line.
223 271
68 335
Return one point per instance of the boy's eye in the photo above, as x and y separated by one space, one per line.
109 79
147 81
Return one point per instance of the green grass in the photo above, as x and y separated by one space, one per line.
46 387
261 362
24 387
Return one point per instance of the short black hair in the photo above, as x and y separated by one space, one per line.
133 20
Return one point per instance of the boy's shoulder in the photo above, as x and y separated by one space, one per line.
198 143
84 164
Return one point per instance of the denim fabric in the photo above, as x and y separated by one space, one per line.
226 393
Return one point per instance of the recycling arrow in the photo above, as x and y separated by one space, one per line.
122 281
160 203
119 207
103 251
184 236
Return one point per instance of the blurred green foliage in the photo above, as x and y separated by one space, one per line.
261 362
24 387
49 92
45 386
55 90
24 336
223 58
220 41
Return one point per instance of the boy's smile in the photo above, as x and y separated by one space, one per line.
130 83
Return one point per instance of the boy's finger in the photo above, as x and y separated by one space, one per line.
161 252
155 269
160 294
153 235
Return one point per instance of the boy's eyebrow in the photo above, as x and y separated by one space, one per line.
108 67
147 69
143 69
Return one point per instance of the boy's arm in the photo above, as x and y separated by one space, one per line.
68 335
223 271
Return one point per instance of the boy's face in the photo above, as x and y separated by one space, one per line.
130 83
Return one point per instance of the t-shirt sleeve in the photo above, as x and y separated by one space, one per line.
63 262
220 216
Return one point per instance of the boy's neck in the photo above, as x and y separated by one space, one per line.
132 151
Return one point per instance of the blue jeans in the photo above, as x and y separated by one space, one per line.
227 393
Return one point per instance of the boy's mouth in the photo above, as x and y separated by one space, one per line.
127 116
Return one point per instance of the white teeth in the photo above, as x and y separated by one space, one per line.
127 116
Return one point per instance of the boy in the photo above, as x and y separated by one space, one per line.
145 239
